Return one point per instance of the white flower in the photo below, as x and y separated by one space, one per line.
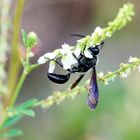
50 55
51 67
106 82
57 52
65 49
132 59
81 40
42 60
98 31
31 54
125 74
77 52
108 34
68 60
100 75
88 54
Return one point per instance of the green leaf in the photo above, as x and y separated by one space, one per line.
24 37
11 121
28 112
12 133
27 104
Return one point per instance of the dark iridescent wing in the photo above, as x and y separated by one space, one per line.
77 81
93 95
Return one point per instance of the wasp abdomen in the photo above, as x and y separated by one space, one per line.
58 78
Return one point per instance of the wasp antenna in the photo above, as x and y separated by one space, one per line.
78 35
102 43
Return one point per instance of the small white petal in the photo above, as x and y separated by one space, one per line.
77 52
100 75
125 74
93 34
57 52
98 30
42 60
31 54
80 40
68 60
108 34
65 46
65 49
65 63
50 55
88 54
132 59
106 82
51 67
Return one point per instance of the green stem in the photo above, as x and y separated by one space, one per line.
27 69
16 93
18 88
14 66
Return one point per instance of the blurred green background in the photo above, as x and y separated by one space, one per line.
117 116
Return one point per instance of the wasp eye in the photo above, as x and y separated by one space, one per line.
94 50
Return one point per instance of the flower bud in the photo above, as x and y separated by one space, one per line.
32 39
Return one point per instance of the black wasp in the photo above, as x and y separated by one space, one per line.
82 66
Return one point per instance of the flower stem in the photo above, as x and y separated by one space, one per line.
18 88
27 69
15 64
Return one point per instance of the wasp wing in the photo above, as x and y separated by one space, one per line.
93 95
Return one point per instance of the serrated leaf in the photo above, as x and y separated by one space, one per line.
27 104
28 112
12 133
11 121
24 37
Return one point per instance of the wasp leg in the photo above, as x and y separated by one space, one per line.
77 81
61 65
58 63
83 50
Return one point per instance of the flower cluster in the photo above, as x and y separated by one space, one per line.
125 69
67 51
